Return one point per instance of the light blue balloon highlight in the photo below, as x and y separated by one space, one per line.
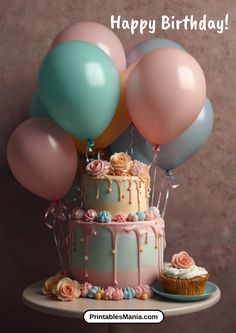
150 45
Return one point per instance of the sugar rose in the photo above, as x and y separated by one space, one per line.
182 260
121 163
139 169
97 168
50 285
67 289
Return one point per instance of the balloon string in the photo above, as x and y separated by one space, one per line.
165 203
153 165
161 190
56 219
171 183
89 149
130 149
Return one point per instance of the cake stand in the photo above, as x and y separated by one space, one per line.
33 297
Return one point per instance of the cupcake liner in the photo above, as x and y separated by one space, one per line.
191 287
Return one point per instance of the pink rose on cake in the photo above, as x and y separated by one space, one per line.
121 164
108 168
67 289
139 169
182 260
97 168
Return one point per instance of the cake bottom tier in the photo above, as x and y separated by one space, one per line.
116 254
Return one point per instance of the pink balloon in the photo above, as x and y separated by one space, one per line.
98 35
165 93
43 158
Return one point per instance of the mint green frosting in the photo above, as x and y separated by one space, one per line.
100 255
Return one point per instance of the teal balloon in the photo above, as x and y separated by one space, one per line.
80 88
150 45
176 152
37 109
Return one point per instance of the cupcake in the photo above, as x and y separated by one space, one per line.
182 276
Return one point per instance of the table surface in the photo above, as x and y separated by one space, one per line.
33 297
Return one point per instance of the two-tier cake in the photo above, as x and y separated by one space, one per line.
116 239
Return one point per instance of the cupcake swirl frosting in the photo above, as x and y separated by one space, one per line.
184 273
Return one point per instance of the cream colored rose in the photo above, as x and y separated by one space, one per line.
67 289
121 163
50 285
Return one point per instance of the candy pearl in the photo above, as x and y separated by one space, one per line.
86 258
144 296
141 250
98 295
113 251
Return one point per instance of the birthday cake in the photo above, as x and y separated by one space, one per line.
116 240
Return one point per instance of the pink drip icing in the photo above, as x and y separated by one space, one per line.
114 247
88 230
139 239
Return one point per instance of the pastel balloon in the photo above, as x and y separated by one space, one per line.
150 45
165 94
118 124
37 109
43 158
79 86
176 152
99 35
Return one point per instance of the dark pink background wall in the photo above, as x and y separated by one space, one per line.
201 216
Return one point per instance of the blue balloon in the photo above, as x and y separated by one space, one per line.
37 109
150 45
80 87
176 152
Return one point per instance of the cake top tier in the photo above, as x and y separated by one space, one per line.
118 186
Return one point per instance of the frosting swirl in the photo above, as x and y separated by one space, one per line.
90 215
183 273
119 217
104 217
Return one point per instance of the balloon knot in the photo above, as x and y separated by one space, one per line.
156 149
90 145
168 172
